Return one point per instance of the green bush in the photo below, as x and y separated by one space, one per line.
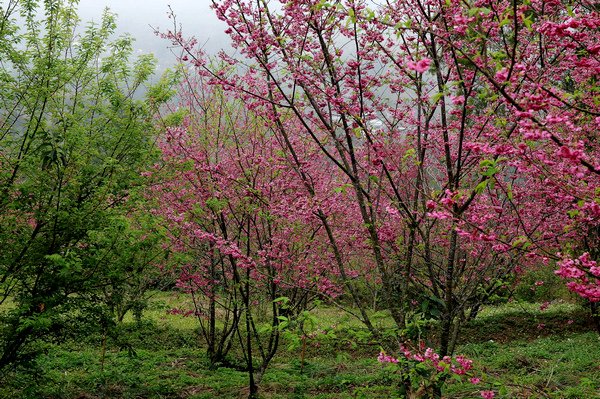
541 285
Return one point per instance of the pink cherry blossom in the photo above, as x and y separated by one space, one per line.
420 66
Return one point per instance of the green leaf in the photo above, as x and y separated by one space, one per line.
481 187
437 97
527 21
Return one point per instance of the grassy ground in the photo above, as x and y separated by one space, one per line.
520 351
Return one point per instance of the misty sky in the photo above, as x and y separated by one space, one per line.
137 16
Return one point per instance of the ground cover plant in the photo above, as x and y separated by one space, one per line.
510 357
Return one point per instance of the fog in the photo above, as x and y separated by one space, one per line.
139 17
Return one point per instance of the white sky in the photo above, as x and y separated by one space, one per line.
137 16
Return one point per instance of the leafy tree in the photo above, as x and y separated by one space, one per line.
73 139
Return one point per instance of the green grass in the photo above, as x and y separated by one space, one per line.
525 352
553 366
525 321
160 304
514 354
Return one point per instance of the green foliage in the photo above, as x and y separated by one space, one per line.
169 363
552 366
73 140
164 91
549 286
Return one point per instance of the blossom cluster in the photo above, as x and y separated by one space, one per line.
458 365
584 274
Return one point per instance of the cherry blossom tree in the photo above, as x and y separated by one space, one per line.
396 115
539 61
462 133
224 189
